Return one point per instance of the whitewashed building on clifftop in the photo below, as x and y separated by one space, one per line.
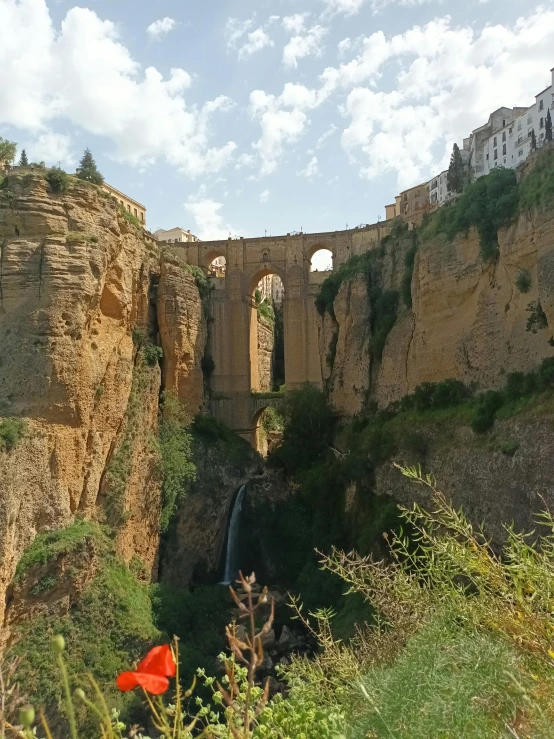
503 141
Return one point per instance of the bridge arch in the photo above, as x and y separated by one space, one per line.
209 256
254 351
321 247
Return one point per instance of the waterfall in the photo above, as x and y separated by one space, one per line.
232 553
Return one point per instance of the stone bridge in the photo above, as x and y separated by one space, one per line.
233 338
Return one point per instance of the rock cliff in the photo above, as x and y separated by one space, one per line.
467 321
78 289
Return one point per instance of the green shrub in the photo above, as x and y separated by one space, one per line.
523 280
58 180
309 426
129 217
488 204
546 373
175 447
509 448
49 546
537 318
12 430
537 188
409 261
435 395
488 404
384 305
152 354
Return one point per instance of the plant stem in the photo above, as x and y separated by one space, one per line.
68 699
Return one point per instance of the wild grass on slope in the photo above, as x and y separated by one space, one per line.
462 644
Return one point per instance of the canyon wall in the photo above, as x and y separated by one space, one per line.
78 288
467 320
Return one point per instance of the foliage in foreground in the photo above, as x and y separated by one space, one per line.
239 706
463 641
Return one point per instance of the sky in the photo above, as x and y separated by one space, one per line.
253 117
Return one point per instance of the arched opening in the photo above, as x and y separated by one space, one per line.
217 267
321 260
267 352
267 430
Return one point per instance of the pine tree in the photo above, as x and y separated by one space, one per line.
23 161
455 177
533 139
88 170
548 126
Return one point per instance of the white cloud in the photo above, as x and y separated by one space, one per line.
235 30
294 23
280 126
264 196
344 46
84 75
311 170
325 136
257 40
301 46
209 221
450 80
51 148
161 27
352 7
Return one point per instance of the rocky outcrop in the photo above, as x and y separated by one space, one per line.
501 479
183 332
468 319
77 281
342 336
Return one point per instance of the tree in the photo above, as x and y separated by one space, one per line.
548 126
455 177
7 150
88 170
23 161
533 140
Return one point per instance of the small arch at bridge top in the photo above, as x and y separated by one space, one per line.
264 272
321 258
209 257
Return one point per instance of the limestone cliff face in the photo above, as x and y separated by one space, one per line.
76 280
468 318
183 332
492 487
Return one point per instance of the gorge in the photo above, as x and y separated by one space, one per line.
131 417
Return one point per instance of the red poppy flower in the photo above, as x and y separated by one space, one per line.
152 673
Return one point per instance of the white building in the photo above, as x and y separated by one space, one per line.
175 235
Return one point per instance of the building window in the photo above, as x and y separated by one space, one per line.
142 216
503 135
504 149
530 119
541 123
494 142
136 214
541 104
510 129
503 122
520 153
496 153
487 156
128 207
519 126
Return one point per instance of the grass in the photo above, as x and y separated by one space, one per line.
447 682
178 470
537 188
106 630
129 217
49 546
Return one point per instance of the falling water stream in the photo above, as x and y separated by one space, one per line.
232 553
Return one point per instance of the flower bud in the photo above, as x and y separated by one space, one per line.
58 644
26 716
79 694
